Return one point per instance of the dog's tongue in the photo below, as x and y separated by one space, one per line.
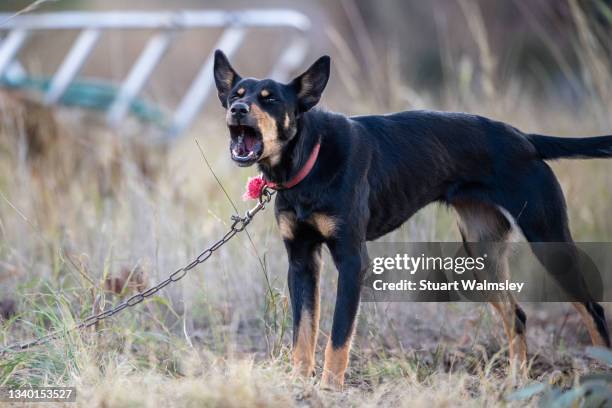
249 142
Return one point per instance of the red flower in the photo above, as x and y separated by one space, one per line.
253 188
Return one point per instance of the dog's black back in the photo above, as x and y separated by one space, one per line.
404 161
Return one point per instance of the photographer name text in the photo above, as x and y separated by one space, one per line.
459 265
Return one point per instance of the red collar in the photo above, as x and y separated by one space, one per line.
301 175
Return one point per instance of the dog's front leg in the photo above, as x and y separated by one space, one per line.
351 262
304 271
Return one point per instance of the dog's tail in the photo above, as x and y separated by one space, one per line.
551 147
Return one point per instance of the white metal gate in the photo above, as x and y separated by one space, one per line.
93 24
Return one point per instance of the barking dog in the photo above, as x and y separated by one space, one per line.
343 181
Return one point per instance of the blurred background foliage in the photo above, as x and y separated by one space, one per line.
85 209
434 47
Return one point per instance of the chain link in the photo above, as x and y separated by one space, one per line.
238 225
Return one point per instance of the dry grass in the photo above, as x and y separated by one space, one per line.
92 208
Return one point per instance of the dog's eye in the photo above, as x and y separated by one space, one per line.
268 98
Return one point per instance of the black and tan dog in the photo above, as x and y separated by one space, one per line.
348 180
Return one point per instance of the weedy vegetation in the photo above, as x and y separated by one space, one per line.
88 216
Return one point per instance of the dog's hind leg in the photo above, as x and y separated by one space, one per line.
544 220
485 227
594 319
561 261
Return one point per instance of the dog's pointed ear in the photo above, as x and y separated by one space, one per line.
225 76
310 85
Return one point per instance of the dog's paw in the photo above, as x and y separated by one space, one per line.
332 382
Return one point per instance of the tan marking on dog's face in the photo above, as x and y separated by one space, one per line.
269 134
287 122
336 362
264 93
287 224
325 224
240 92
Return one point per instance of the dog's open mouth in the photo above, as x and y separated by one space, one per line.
246 145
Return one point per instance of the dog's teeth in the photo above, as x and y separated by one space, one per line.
235 153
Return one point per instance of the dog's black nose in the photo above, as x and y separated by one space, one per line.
239 110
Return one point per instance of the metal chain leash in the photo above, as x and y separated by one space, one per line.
238 225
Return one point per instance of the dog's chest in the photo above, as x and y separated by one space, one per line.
293 222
